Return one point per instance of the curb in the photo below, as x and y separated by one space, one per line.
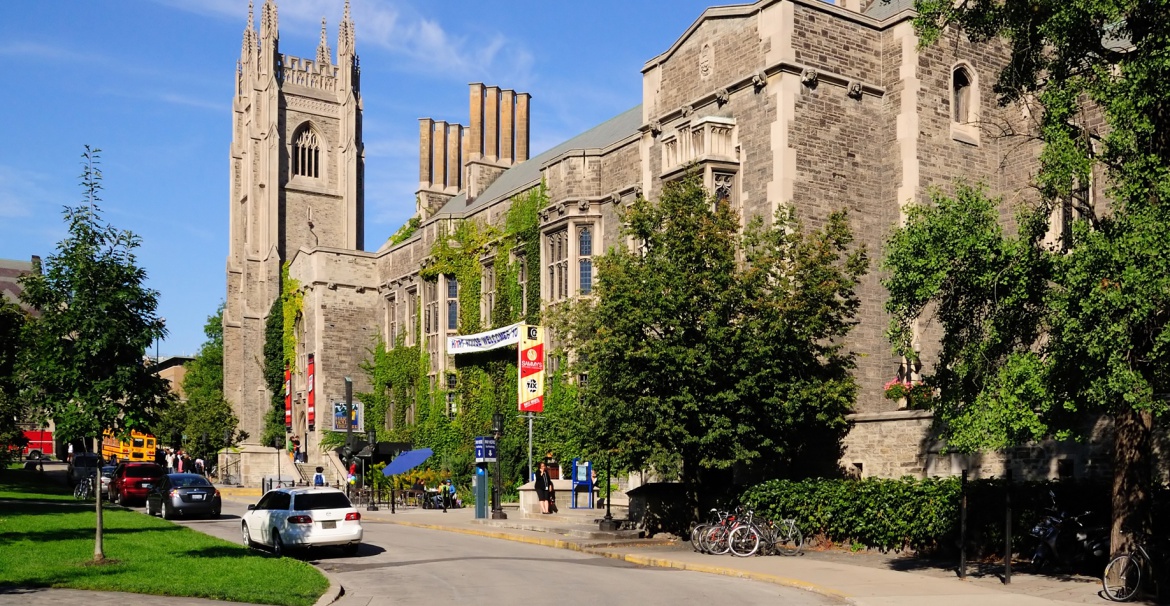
332 594
600 550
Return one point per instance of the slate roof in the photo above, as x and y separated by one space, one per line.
527 174
883 9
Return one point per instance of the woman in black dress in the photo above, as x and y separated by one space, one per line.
543 483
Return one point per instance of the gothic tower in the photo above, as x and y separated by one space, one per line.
296 181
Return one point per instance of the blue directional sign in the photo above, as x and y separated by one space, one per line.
485 450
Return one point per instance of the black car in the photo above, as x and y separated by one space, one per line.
183 494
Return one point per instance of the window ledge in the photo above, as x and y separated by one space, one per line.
965 133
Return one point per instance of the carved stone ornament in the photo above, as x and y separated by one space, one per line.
808 77
560 208
544 216
655 127
615 198
583 206
722 96
854 89
759 79
637 191
360 289
331 286
687 110
706 61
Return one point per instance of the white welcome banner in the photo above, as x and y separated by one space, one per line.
484 341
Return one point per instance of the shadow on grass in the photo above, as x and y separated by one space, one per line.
70 534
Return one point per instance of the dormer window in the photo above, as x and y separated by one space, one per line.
306 155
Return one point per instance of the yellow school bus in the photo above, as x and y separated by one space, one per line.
140 447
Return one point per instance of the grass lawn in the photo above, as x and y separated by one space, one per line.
51 545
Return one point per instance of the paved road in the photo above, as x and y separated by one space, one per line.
401 565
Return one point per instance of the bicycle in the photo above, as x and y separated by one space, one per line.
84 489
715 517
766 538
1123 576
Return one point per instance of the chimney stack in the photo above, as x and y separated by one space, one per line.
475 137
491 137
426 175
507 128
522 100
439 153
454 180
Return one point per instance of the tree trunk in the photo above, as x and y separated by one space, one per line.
1131 475
98 548
690 478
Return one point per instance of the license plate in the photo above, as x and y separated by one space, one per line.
146 485
329 524
197 497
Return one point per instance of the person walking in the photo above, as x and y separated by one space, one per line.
170 460
319 477
69 453
543 482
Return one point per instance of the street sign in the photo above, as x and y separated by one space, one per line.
485 450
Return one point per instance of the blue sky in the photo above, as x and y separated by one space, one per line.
150 82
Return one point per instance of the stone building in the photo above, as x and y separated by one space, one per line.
779 102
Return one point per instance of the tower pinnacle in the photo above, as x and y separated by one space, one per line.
345 34
249 44
268 20
323 47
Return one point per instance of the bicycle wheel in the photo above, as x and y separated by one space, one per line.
788 538
1123 577
716 540
743 541
79 491
697 536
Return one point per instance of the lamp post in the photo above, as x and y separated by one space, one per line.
607 523
372 440
497 430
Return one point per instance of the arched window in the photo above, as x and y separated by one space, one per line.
962 97
306 155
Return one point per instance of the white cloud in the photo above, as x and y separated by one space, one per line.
22 193
398 28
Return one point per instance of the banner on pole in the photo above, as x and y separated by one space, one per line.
531 367
312 396
484 341
287 399
342 421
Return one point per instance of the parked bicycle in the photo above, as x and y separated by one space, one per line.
84 489
766 538
1126 573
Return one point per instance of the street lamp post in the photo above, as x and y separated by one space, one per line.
498 430
372 440
608 523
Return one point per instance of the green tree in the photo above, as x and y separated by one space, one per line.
1102 344
12 408
85 353
698 362
205 416
273 433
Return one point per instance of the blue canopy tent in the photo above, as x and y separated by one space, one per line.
404 463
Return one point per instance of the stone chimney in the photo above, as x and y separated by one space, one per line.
497 138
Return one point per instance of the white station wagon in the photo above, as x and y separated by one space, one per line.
303 517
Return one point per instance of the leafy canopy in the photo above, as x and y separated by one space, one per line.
697 360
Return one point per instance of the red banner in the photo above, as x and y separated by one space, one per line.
287 399
531 366
312 394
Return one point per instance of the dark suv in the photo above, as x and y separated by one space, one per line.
132 481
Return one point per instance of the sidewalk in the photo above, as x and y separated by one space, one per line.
863 579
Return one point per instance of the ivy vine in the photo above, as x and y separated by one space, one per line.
292 304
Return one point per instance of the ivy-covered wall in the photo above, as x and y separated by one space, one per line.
485 383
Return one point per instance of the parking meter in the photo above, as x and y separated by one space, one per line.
479 485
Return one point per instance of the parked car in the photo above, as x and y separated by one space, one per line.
132 481
303 517
83 464
183 494
107 475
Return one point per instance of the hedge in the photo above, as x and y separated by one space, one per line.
921 515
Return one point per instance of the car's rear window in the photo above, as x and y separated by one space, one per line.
143 471
83 461
321 500
188 481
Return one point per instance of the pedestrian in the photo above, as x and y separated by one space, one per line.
69 453
543 482
444 494
199 465
319 477
170 460
296 445
179 456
